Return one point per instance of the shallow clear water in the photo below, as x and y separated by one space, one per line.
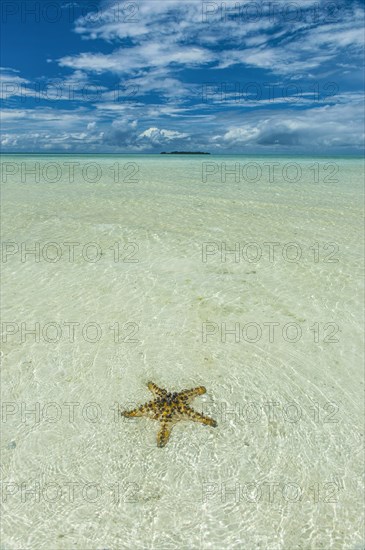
273 331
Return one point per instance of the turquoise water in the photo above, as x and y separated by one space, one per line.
242 274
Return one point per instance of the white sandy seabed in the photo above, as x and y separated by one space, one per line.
274 334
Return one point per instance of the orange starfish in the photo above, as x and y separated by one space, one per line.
169 408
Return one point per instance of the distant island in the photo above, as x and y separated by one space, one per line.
185 153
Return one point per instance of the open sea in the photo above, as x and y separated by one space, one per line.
241 274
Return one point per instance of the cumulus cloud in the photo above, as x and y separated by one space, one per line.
157 135
314 129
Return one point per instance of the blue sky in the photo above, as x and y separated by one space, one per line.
161 75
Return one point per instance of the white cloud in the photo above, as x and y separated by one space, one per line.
158 61
338 125
74 87
167 33
156 135
151 54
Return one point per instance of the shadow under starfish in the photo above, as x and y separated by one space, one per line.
169 408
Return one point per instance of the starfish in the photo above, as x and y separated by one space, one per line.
168 408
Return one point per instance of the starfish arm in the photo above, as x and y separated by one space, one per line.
143 410
156 390
188 395
164 434
190 414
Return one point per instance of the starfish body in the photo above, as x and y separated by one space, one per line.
169 408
